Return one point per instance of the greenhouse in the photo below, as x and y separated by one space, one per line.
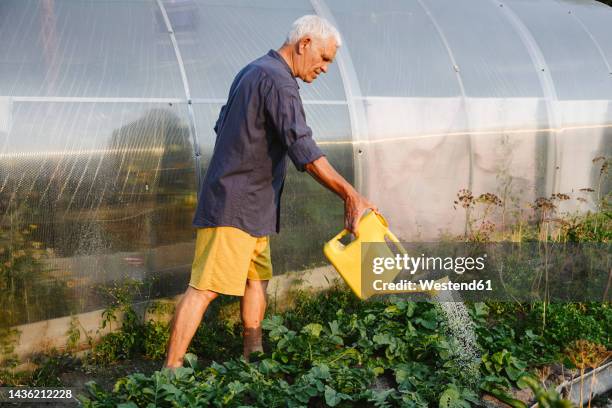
107 114
107 111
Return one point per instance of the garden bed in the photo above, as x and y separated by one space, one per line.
329 349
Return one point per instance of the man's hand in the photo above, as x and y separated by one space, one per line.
354 207
354 203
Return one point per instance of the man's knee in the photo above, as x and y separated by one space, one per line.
257 286
204 295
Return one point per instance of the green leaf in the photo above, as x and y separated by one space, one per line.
514 373
392 310
337 340
218 368
401 375
378 371
275 325
272 322
498 358
413 399
410 308
526 381
379 398
269 366
470 396
331 396
383 339
312 329
320 371
503 396
481 309
191 360
451 398
236 387
182 373
335 328
427 323
170 389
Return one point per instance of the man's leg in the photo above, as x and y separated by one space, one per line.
187 318
252 310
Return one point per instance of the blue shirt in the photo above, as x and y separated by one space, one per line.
261 124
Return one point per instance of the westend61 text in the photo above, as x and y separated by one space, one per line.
429 263
427 285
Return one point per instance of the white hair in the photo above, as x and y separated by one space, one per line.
315 26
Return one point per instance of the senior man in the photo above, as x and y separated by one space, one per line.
262 123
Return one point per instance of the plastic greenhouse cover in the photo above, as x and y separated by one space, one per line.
217 39
596 21
79 48
103 184
492 61
576 66
395 49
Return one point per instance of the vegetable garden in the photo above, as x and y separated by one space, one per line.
330 349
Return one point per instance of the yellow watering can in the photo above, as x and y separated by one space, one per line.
348 259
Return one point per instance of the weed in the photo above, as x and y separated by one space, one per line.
73 334
584 354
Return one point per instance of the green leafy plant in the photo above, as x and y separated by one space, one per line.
123 343
545 398
74 334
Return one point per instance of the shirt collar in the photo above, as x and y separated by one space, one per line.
274 54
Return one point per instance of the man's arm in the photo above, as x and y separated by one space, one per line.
286 114
354 203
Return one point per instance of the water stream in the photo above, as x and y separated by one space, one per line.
461 328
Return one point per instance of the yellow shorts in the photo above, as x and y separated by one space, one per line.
226 256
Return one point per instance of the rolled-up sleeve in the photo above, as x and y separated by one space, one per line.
286 113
